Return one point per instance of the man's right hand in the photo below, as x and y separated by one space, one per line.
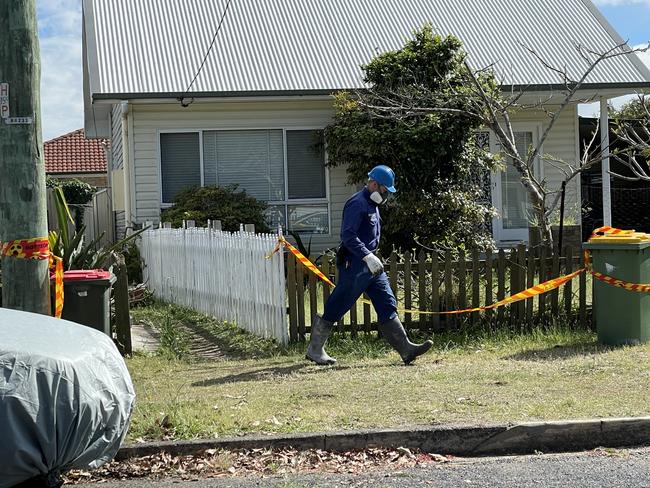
374 264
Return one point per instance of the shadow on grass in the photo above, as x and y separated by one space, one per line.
567 351
269 373
306 369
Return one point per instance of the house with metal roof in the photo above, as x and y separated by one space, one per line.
232 91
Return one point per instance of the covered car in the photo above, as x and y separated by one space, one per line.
66 398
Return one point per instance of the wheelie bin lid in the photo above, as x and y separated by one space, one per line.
86 274
97 275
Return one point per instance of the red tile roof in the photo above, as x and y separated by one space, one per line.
73 153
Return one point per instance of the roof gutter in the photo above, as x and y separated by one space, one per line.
326 93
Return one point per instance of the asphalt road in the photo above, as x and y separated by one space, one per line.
612 469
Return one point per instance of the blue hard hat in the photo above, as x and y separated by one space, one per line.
384 176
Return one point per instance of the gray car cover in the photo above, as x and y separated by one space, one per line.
66 397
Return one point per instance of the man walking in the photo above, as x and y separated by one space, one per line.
361 271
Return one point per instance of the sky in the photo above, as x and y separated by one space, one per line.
59 25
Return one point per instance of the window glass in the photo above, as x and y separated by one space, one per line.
251 159
180 163
308 219
276 215
515 204
306 164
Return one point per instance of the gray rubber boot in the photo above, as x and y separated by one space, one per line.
394 333
320 331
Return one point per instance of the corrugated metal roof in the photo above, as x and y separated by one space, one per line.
156 46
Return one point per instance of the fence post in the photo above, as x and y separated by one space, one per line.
521 282
583 299
122 317
408 303
488 283
216 224
530 303
291 291
555 294
422 290
313 299
300 285
476 276
568 289
514 276
449 290
501 282
462 284
435 290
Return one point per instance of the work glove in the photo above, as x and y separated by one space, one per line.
374 264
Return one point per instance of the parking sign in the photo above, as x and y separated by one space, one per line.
4 100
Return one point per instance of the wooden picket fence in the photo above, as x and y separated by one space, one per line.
444 282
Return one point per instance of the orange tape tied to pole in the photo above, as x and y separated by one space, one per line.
38 248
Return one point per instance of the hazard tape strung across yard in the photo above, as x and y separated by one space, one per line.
301 257
38 248
531 292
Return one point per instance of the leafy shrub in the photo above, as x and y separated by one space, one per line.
434 154
71 247
76 192
226 204
133 262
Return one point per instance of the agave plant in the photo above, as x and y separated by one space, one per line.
70 246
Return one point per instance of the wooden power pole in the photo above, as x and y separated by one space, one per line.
23 209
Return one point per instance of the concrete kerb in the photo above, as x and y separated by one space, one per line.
527 438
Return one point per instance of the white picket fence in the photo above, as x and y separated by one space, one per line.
221 274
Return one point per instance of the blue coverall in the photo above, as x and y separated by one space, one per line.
360 233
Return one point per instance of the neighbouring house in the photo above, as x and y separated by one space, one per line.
73 156
263 93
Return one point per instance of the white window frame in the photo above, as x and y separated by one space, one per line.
519 235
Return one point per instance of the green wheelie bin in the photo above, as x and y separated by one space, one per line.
87 298
622 316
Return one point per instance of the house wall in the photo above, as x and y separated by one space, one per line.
149 120
562 143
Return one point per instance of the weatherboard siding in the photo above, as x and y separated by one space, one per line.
151 119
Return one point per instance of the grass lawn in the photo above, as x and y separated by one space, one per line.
467 378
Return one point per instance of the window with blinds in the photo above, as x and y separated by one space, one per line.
305 164
180 163
251 159
255 161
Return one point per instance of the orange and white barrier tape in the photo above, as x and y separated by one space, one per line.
604 232
38 248
531 292
301 257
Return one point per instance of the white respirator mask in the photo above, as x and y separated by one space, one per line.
376 197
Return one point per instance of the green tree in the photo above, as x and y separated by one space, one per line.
637 108
77 194
435 156
226 204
